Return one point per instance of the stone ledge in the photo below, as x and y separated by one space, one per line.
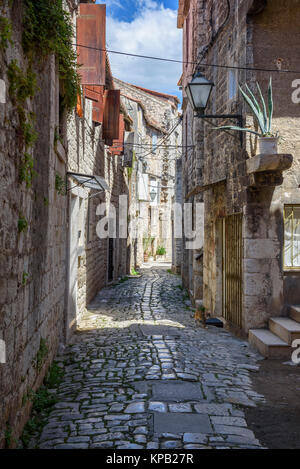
60 151
263 162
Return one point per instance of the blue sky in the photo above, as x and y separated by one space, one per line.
145 27
127 10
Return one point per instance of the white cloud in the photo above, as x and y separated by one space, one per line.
112 3
148 4
153 32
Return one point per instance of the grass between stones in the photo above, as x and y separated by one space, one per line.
42 402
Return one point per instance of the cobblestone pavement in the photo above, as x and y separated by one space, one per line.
140 374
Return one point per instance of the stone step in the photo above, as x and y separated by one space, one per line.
269 344
287 329
295 312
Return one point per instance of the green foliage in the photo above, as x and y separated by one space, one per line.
134 272
26 124
42 403
124 279
54 376
24 278
161 251
48 30
260 113
29 396
21 85
29 136
60 185
43 399
129 172
57 137
27 172
5 33
22 223
170 271
147 240
41 355
8 435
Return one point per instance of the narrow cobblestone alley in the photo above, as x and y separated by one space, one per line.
140 374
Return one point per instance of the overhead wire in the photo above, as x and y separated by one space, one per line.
163 59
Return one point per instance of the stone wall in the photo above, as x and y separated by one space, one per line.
87 154
52 269
262 41
33 261
160 109
177 224
277 28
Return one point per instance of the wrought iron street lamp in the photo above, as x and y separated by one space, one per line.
198 92
152 194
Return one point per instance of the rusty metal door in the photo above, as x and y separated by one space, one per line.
232 269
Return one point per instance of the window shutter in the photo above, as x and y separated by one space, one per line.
98 106
118 144
111 116
79 106
91 33
95 93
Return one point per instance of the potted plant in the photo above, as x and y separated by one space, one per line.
160 252
267 141
146 246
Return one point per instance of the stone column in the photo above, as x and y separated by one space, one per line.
263 240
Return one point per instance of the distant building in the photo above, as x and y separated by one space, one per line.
154 150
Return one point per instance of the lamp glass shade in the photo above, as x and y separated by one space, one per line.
153 194
198 92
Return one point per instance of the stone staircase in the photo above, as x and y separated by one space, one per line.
276 341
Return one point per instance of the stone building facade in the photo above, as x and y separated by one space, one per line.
248 200
52 262
94 261
33 233
157 133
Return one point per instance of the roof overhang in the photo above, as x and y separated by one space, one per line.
89 181
183 10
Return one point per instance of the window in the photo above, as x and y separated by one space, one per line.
139 116
81 223
150 220
154 142
89 221
291 252
232 84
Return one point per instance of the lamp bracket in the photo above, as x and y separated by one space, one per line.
220 116
239 117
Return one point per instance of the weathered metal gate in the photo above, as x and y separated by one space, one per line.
232 268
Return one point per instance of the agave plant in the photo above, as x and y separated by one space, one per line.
263 118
